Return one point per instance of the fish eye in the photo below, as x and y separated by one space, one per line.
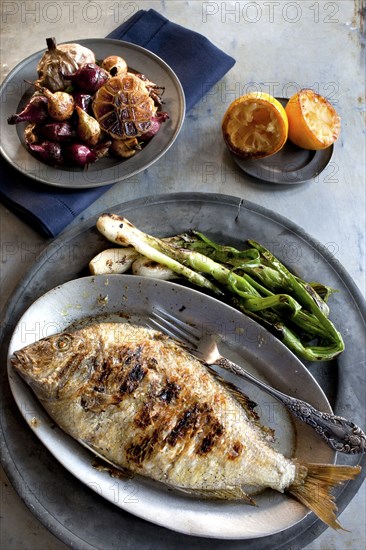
62 343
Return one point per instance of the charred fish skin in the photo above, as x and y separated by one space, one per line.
142 402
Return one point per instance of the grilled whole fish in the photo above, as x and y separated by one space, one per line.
138 399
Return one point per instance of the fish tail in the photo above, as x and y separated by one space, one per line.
312 487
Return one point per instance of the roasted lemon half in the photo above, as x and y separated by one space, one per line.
255 126
313 122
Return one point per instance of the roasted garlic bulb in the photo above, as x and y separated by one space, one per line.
60 60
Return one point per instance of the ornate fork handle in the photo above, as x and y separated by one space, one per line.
340 434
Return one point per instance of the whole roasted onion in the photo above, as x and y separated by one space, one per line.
89 78
36 110
47 152
79 154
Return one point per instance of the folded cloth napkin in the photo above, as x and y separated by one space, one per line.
39 205
198 64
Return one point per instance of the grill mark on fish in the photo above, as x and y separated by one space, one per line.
199 417
156 404
133 378
184 429
143 419
110 385
186 423
102 376
136 373
132 355
124 379
159 397
216 429
138 452
70 367
169 392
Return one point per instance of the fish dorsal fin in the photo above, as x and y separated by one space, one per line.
247 404
227 493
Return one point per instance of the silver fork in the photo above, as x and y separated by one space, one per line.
339 433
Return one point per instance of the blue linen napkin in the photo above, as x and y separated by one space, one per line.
198 63
44 209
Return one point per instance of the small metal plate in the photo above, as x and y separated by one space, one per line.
291 165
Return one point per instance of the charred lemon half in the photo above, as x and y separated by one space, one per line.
255 126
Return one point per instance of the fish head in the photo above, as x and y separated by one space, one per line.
45 363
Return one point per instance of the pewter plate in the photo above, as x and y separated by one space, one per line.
71 510
15 92
127 298
291 165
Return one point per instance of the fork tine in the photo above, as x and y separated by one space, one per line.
175 327
153 323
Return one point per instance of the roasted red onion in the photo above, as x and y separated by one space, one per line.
89 78
83 101
48 152
157 121
78 154
58 131
35 111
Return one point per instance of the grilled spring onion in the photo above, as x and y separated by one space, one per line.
270 277
253 280
113 260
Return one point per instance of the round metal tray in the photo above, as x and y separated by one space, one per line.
290 166
72 511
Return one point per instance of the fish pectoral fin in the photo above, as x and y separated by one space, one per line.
120 473
109 465
234 492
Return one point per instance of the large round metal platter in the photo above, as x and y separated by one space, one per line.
75 512
125 298
15 92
